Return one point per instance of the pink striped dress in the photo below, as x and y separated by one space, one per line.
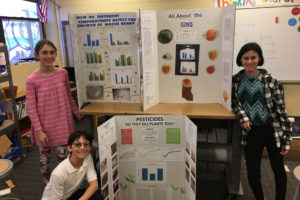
50 106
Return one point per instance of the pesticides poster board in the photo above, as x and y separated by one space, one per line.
192 51
106 55
148 157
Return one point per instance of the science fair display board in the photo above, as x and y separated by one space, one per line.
174 56
148 157
106 57
187 55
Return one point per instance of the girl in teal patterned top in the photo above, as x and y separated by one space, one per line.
258 103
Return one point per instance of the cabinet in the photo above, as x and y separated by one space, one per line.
10 124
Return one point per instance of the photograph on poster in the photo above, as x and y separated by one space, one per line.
187 147
187 161
94 92
114 161
193 184
105 192
115 173
193 154
103 165
187 59
186 91
104 179
117 197
187 174
113 148
121 94
116 186
193 169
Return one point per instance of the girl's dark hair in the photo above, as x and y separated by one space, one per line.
248 47
77 134
41 43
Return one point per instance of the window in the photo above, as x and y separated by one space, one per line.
20 28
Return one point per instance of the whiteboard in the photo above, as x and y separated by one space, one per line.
279 41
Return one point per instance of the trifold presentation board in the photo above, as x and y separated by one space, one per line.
149 157
151 57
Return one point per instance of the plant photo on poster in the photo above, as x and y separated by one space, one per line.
187 59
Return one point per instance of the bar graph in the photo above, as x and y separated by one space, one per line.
122 78
93 58
153 176
123 60
91 43
96 75
119 38
187 67
187 54
151 173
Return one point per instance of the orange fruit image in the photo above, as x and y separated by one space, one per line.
211 34
213 54
225 96
166 69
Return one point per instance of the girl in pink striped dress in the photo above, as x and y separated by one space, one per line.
50 106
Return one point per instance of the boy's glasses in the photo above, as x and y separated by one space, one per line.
78 145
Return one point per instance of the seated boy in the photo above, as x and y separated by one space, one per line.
67 177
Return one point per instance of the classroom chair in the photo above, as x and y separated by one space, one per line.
6 169
297 177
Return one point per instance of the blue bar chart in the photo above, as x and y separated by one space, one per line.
151 173
91 43
119 38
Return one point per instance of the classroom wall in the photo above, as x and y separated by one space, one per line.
96 6
56 15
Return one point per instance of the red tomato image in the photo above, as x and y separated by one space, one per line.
166 69
210 69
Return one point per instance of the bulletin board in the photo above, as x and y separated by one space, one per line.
277 31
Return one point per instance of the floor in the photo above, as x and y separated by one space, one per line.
211 186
